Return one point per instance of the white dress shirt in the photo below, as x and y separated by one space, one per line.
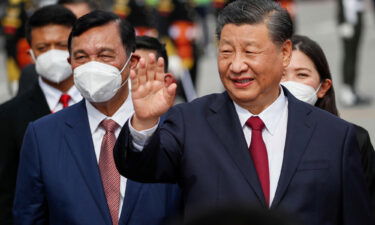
275 118
53 95
97 132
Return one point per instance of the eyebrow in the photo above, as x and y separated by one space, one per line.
246 43
41 43
106 49
303 68
81 51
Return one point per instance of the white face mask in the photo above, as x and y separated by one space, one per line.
98 82
302 92
53 65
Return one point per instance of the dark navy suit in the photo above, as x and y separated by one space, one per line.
59 181
202 146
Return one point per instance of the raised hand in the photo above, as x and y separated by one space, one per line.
151 97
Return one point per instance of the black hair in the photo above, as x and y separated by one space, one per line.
151 43
99 18
49 15
312 50
276 18
93 5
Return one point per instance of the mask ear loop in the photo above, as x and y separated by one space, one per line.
316 91
320 85
31 52
125 65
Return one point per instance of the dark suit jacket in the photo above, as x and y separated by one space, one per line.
202 146
28 77
59 181
15 115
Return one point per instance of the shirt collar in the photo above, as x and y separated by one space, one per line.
74 94
53 95
120 116
270 116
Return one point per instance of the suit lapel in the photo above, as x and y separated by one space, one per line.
132 192
38 103
225 123
79 140
299 131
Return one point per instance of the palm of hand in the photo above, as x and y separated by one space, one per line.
151 99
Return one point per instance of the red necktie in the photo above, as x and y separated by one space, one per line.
258 152
64 100
110 175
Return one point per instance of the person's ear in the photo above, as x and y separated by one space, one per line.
134 61
286 50
169 79
324 88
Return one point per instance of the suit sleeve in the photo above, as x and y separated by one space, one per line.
355 200
160 159
30 203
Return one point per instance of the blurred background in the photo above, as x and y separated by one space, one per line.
187 27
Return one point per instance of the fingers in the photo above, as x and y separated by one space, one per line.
134 80
170 93
142 72
150 70
160 73
151 67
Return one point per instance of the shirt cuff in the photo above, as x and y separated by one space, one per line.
141 138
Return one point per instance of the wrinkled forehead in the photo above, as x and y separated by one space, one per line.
96 38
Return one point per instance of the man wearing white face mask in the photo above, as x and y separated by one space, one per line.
47 32
49 52
79 8
67 157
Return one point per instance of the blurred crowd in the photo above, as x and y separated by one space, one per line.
181 24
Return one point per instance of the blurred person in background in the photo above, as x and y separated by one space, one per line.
29 76
140 14
309 79
47 32
183 49
79 7
146 45
350 26
67 173
16 47
173 22
178 28
290 6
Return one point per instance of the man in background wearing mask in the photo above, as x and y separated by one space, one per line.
67 173
29 76
47 32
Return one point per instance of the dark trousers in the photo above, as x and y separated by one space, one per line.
350 54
